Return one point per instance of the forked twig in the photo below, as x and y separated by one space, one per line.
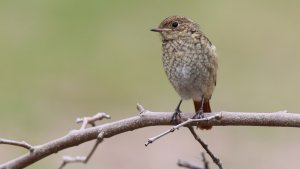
82 159
91 120
85 121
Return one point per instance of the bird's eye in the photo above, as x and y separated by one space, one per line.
174 24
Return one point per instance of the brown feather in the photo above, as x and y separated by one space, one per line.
206 109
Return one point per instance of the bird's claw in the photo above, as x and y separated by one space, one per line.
176 117
199 115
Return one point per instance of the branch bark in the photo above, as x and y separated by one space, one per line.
146 119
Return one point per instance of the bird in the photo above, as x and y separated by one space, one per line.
190 62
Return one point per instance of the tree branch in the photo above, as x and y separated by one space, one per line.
146 119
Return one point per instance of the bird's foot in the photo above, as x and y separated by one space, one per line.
199 114
176 116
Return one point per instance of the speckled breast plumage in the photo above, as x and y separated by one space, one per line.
191 66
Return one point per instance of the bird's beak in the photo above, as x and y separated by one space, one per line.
159 29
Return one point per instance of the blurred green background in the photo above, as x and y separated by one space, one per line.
65 59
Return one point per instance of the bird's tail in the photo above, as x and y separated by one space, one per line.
206 109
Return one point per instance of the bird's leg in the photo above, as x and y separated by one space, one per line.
176 114
199 114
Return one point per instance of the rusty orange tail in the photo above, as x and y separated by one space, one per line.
206 109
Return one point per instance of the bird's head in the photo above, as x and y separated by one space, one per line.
176 27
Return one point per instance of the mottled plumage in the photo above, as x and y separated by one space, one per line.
189 60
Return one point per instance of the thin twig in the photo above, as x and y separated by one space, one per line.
205 162
140 108
69 159
185 123
91 120
82 159
216 160
17 143
188 164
